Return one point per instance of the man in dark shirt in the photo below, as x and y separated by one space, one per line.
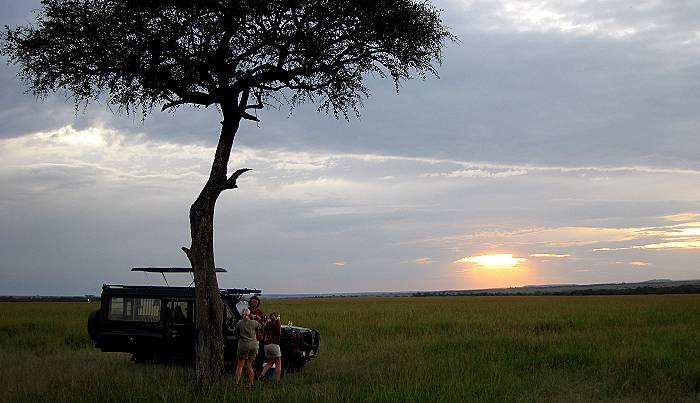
255 311
257 314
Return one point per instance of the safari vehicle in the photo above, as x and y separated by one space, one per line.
156 323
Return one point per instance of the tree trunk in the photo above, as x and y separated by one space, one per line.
209 342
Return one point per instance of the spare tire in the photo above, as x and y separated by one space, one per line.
94 324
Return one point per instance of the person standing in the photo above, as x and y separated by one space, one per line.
247 346
257 314
273 354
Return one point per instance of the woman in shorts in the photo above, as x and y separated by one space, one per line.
273 354
247 345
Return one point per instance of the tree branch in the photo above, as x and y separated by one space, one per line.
231 181
247 116
188 253
197 98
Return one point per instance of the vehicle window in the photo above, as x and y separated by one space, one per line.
228 315
134 309
241 305
181 311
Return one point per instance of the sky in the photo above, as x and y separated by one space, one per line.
559 145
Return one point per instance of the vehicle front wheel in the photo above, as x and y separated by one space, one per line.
293 363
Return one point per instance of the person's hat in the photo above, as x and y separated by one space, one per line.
246 311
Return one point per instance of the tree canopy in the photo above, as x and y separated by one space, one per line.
173 52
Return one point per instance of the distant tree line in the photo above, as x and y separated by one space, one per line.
642 290
44 298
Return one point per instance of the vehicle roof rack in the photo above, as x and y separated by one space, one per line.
241 291
171 269
163 270
167 291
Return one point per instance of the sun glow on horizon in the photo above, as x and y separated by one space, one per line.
495 261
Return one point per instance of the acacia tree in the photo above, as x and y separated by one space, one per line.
240 55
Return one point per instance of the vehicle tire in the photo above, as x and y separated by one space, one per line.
94 325
142 357
293 364
137 357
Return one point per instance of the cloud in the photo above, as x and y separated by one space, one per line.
339 264
675 237
82 177
550 255
682 217
132 157
678 236
639 264
650 20
541 82
424 261
333 184
661 245
635 263
548 237
560 16
479 173
478 169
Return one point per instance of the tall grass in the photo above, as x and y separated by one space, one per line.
519 349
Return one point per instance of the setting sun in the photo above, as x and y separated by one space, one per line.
496 261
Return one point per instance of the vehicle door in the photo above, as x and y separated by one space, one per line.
180 327
230 342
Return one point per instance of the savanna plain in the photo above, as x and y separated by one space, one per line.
446 349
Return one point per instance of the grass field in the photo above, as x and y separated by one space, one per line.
528 349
